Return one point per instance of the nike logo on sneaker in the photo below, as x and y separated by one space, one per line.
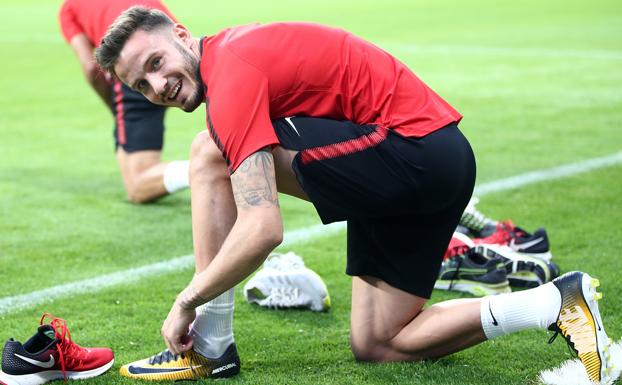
526 245
494 320
144 370
42 364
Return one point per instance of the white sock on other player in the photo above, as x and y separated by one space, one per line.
212 330
529 309
176 175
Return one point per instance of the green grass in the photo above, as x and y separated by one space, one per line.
538 83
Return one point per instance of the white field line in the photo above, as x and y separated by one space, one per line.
548 174
503 51
91 285
458 49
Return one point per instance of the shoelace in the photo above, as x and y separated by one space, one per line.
163 357
569 343
166 356
473 219
65 346
283 297
574 325
457 274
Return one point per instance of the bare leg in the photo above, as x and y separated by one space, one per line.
389 324
212 199
213 215
142 173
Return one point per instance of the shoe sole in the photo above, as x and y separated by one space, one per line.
477 289
519 266
51 375
582 306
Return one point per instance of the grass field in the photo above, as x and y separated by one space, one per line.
539 84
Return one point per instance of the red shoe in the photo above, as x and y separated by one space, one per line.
503 235
519 240
51 355
458 245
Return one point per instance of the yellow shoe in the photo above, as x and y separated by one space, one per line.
187 366
580 323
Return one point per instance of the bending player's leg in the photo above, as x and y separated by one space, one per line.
214 353
139 136
389 324
213 215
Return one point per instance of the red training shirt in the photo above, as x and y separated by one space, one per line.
92 17
255 73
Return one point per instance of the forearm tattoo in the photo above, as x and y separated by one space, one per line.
254 182
190 298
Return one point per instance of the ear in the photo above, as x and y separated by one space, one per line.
181 32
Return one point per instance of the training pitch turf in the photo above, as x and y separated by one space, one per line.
539 84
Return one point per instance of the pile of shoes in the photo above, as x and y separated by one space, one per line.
489 257
285 282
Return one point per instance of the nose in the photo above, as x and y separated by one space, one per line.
158 83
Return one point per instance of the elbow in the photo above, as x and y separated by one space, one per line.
268 233
271 236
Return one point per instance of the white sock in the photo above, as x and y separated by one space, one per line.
508 313
176 175
212 330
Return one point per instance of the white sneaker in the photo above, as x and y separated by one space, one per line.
285 282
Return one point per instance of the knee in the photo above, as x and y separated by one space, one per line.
372 349
204 156
199 151
137 195
367 348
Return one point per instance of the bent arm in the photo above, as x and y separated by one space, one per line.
96 78
257 230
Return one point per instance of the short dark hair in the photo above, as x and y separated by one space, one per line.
130 21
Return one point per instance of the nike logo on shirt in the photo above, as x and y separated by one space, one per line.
42 364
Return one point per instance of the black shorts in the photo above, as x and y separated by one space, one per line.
402 197
139 124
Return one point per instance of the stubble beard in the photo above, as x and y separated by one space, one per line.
192 66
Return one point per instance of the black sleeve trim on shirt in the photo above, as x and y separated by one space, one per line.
210 125
213 134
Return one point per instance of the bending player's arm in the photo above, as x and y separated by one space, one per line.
257 230
83 49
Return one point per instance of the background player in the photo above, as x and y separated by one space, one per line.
138 124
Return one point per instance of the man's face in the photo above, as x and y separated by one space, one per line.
161 65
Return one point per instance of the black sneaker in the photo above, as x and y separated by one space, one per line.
580 324
186 366
474 274
523 270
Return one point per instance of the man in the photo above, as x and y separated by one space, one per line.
325 116
139 125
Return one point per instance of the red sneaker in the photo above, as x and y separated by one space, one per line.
51 355
503 235
458 245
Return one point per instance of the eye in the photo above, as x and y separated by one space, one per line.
155 64
142 85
